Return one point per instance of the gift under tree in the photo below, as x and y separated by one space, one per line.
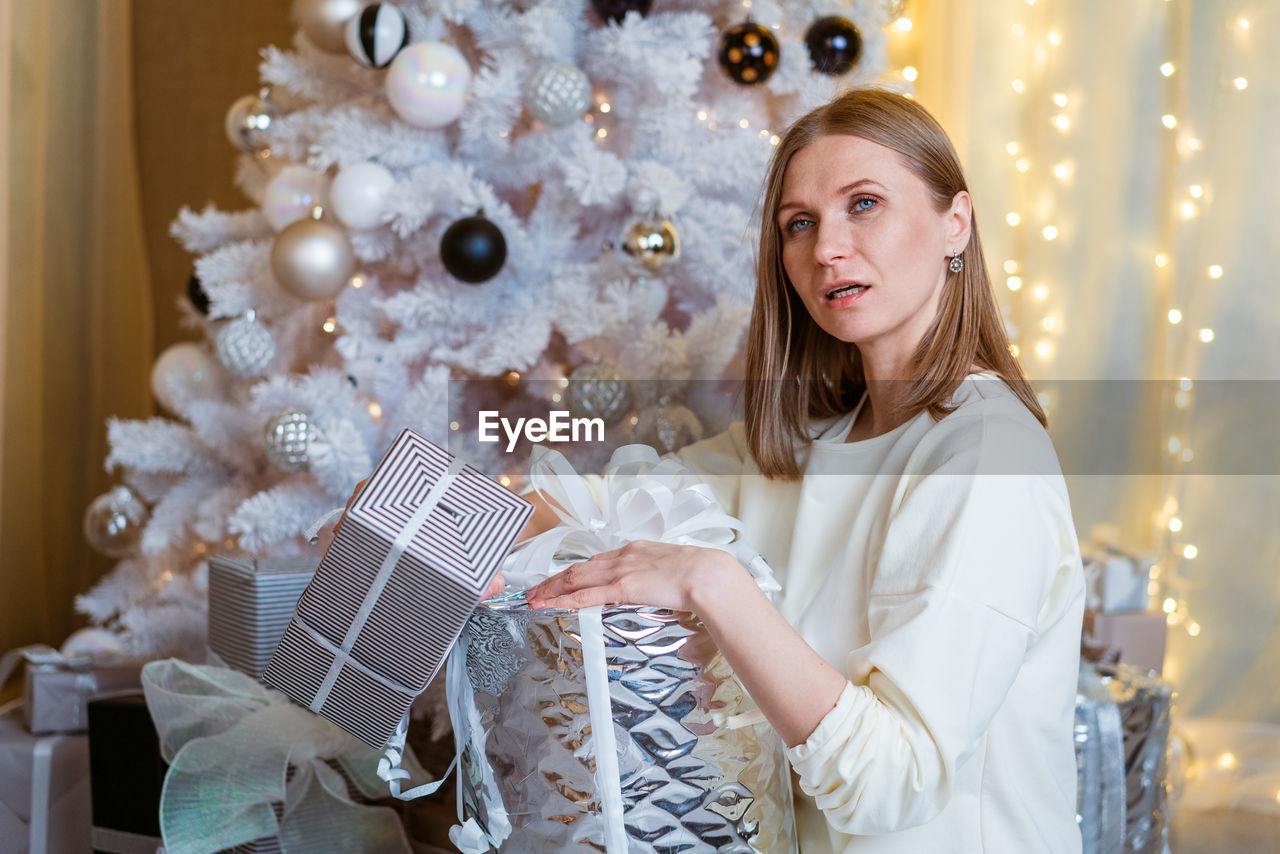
544 200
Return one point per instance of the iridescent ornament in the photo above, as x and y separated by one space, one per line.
288 437
376 35
245 347
834 45
324 22
358 195
182 371
653 242
312 259
293 194
248 121
427 84
557 93
613 11
114 521
598 390
748 53
668 426
473 249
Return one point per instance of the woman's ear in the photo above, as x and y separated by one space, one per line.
958 219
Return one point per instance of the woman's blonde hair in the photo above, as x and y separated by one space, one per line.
795 371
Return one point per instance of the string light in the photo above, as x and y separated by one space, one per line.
375 410
1044 349
1196 191
1012 148
357 282
1215 272
1055 38
1175 524
1161 259
1193 629
904 24
1011 266
909 74
604 108
1169 121
330 325
504 480
743 123
1175 316
1022 165
1206 335
1060 99
1240 83
1192 144
1243 23
1012 218
1188 210
1018 86
1167 69
1190 552
1040 292
454 425
1050 232
1061 122
1014 283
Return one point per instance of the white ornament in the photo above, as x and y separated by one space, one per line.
427 84
292 195
245 347
324 22
184 370
113 522
358 194
376 35
557 93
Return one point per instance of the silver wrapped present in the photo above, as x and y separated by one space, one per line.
695 768
1122 741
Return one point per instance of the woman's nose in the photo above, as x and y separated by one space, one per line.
832 243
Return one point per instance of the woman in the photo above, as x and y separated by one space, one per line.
894 470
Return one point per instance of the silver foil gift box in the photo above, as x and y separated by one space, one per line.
695 768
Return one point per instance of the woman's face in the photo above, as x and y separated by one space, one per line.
863 245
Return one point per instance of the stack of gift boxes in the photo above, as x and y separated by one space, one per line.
1123 707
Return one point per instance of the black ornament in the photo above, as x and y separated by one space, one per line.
195 293
748 53
615 10
834 45
473 249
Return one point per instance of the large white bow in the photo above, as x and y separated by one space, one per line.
641 497
230 744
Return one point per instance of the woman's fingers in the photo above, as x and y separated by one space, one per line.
496 586
580 576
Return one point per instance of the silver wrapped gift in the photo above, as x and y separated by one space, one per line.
1122 741
697 767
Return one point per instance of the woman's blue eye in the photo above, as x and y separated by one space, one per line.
859 206
797 224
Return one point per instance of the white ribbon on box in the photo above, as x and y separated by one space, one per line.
229 743
642 497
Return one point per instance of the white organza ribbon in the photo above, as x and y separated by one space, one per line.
1103 768
229 743
642 497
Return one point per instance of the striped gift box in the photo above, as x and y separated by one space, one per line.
250 603
409 564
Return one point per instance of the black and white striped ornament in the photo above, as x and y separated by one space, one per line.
377 34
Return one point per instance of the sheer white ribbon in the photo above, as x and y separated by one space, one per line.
230 743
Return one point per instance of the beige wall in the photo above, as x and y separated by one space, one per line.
192 60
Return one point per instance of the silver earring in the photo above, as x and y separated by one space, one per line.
957 263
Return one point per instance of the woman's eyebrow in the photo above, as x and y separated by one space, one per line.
847 188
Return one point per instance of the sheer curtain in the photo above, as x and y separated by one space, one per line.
1124 158
74 301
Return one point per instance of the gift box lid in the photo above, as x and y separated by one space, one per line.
409 563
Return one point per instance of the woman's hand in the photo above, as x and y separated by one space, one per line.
643 572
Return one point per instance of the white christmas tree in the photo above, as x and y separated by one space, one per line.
556 196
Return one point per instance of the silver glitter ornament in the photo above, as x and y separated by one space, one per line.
653 242
690 782
668 426
598 390
324 22
245 347
557 93
113 522
312 259
288 437
248 121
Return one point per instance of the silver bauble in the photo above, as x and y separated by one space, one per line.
245 347
248 121
324 22
652 242
312 259
114 521
183 371
598 390
288 438
668 426
557 93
